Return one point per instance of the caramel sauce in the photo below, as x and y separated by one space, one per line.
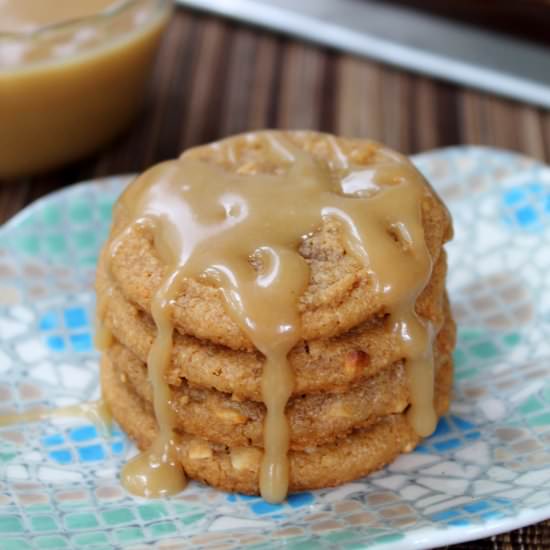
155 472
96 412
241 232
29 15
73 73
102 335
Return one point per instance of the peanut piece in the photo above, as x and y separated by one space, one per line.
338 410
245 458
199 449
353 363
230 415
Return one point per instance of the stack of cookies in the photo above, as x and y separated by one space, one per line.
347 413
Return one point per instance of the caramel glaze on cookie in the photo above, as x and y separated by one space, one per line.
241 223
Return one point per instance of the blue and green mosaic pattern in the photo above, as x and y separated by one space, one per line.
487 467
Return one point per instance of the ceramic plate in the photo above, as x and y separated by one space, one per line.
484 471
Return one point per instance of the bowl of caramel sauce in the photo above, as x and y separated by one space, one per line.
73 74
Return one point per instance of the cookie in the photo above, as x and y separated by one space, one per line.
330 298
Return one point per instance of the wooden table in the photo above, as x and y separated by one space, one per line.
215 78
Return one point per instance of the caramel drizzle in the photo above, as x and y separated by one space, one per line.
103 337
157 471
242 233
96 412
30 15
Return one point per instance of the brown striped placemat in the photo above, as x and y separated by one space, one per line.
215 78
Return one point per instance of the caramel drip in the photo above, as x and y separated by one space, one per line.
103 337
157 472
242 233
96 412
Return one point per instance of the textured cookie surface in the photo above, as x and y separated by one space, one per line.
319 365
237 468
219 418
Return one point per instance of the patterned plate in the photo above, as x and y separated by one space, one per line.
485 470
